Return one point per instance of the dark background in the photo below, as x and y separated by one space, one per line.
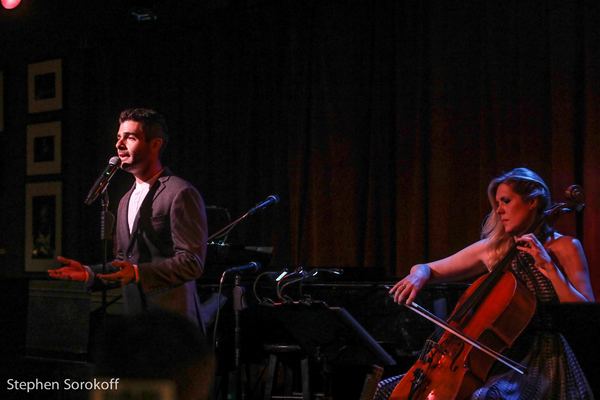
379 123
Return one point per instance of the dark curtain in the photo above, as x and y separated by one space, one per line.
380 123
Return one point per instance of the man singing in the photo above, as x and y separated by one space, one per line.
161 227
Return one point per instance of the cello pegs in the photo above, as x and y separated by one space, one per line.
574 194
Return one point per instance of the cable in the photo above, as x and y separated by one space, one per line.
255 284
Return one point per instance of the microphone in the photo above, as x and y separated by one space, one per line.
253 266
103 179
268 201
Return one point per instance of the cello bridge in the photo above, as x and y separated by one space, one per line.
430 345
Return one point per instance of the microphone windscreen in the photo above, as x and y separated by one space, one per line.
114 161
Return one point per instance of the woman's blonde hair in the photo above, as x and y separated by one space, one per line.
529 186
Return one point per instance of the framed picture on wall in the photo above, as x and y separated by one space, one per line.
43 148
1 101
43 225
44 83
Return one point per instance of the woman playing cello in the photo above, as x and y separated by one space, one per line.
552 266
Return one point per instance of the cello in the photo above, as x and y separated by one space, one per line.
487 319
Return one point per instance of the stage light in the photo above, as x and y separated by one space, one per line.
10 4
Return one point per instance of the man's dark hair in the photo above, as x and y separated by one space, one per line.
153 122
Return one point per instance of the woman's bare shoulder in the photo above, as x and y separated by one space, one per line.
565 244
485 252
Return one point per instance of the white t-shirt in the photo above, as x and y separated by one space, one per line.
137 198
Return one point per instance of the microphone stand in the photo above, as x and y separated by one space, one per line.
238 306
225 230
107 223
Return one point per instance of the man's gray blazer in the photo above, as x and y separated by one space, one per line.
168 243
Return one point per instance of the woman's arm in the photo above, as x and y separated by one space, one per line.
460 266
466 263
570 278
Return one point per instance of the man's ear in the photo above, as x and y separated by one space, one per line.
156 144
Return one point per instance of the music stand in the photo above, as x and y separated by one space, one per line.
329 335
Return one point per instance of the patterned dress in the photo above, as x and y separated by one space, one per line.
552 369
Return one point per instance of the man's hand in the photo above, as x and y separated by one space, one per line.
71 270
124 276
